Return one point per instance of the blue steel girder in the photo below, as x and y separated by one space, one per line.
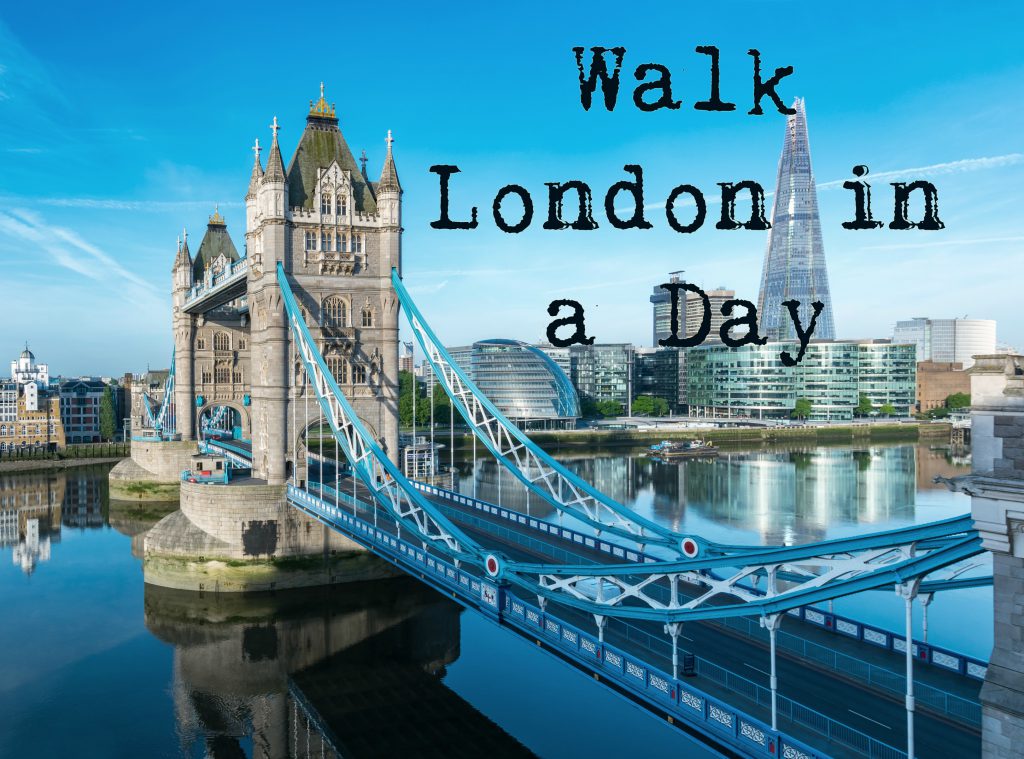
373 467
796 575
159 420
529 463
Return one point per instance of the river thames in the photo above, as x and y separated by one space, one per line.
95 663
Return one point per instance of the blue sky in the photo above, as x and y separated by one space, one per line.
117 129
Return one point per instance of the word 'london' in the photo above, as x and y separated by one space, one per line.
643 95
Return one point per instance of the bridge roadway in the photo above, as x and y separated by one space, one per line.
873 712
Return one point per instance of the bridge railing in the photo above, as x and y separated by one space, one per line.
957 707
652 684
231 273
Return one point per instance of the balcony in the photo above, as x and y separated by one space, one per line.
218 288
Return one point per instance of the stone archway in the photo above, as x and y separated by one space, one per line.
238 407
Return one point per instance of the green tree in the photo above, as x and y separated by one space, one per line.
107 423
958 400
588 407
802 409
887 410
940 412
649 405
864 406
609 408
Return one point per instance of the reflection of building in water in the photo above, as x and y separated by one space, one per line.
83 500
939 462
234 656
32 549
30 512
796 496
612 475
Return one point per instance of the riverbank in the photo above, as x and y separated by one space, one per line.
44 465
551 440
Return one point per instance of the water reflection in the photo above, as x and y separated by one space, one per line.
323 672
792 495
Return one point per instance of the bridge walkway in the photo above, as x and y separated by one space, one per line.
735 667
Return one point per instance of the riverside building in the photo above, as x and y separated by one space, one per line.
750 381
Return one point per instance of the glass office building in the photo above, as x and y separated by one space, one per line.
604 372
524 382
752 381
948 340
794 262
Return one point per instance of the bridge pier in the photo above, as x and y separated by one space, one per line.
153 472
996 487
245 537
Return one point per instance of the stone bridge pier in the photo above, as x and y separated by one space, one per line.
996 487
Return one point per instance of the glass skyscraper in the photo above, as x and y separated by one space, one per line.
794 262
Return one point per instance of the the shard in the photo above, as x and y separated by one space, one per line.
794 263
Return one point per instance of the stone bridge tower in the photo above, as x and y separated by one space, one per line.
337 235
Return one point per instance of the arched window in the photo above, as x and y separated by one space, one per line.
336 366
236 376
343 243
222 341
325 203
3 429
200 344
357 243
342 206
334 312
367 317
358 374
310 240
207 376
222 374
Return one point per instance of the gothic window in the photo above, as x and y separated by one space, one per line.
338 368
343 243
310 240
334 312
342 206
241 343
222 341
325 203
357 243
339 242
207 375
236 376
200 344
367 317
222 374
358 374
3 429
325 240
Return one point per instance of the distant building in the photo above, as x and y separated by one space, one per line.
603 372
948 340
794 262
80 409
752 381
937 380
405 357
29 410
525 384
24 369
691 311
657 372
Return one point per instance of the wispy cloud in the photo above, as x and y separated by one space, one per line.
428 289
70 251
945 243
117 204
936 169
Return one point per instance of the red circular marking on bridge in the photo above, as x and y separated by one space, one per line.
491 565
690 547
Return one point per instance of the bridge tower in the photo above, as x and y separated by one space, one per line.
337 234
996 487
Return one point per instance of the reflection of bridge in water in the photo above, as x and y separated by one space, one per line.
319 673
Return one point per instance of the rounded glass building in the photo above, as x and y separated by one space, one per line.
524 382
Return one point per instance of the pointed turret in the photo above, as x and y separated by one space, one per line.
183 257
257 172
389 175
275 165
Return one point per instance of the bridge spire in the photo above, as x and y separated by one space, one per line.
389 175
275 165
257 170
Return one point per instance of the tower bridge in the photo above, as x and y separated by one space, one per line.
301 332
